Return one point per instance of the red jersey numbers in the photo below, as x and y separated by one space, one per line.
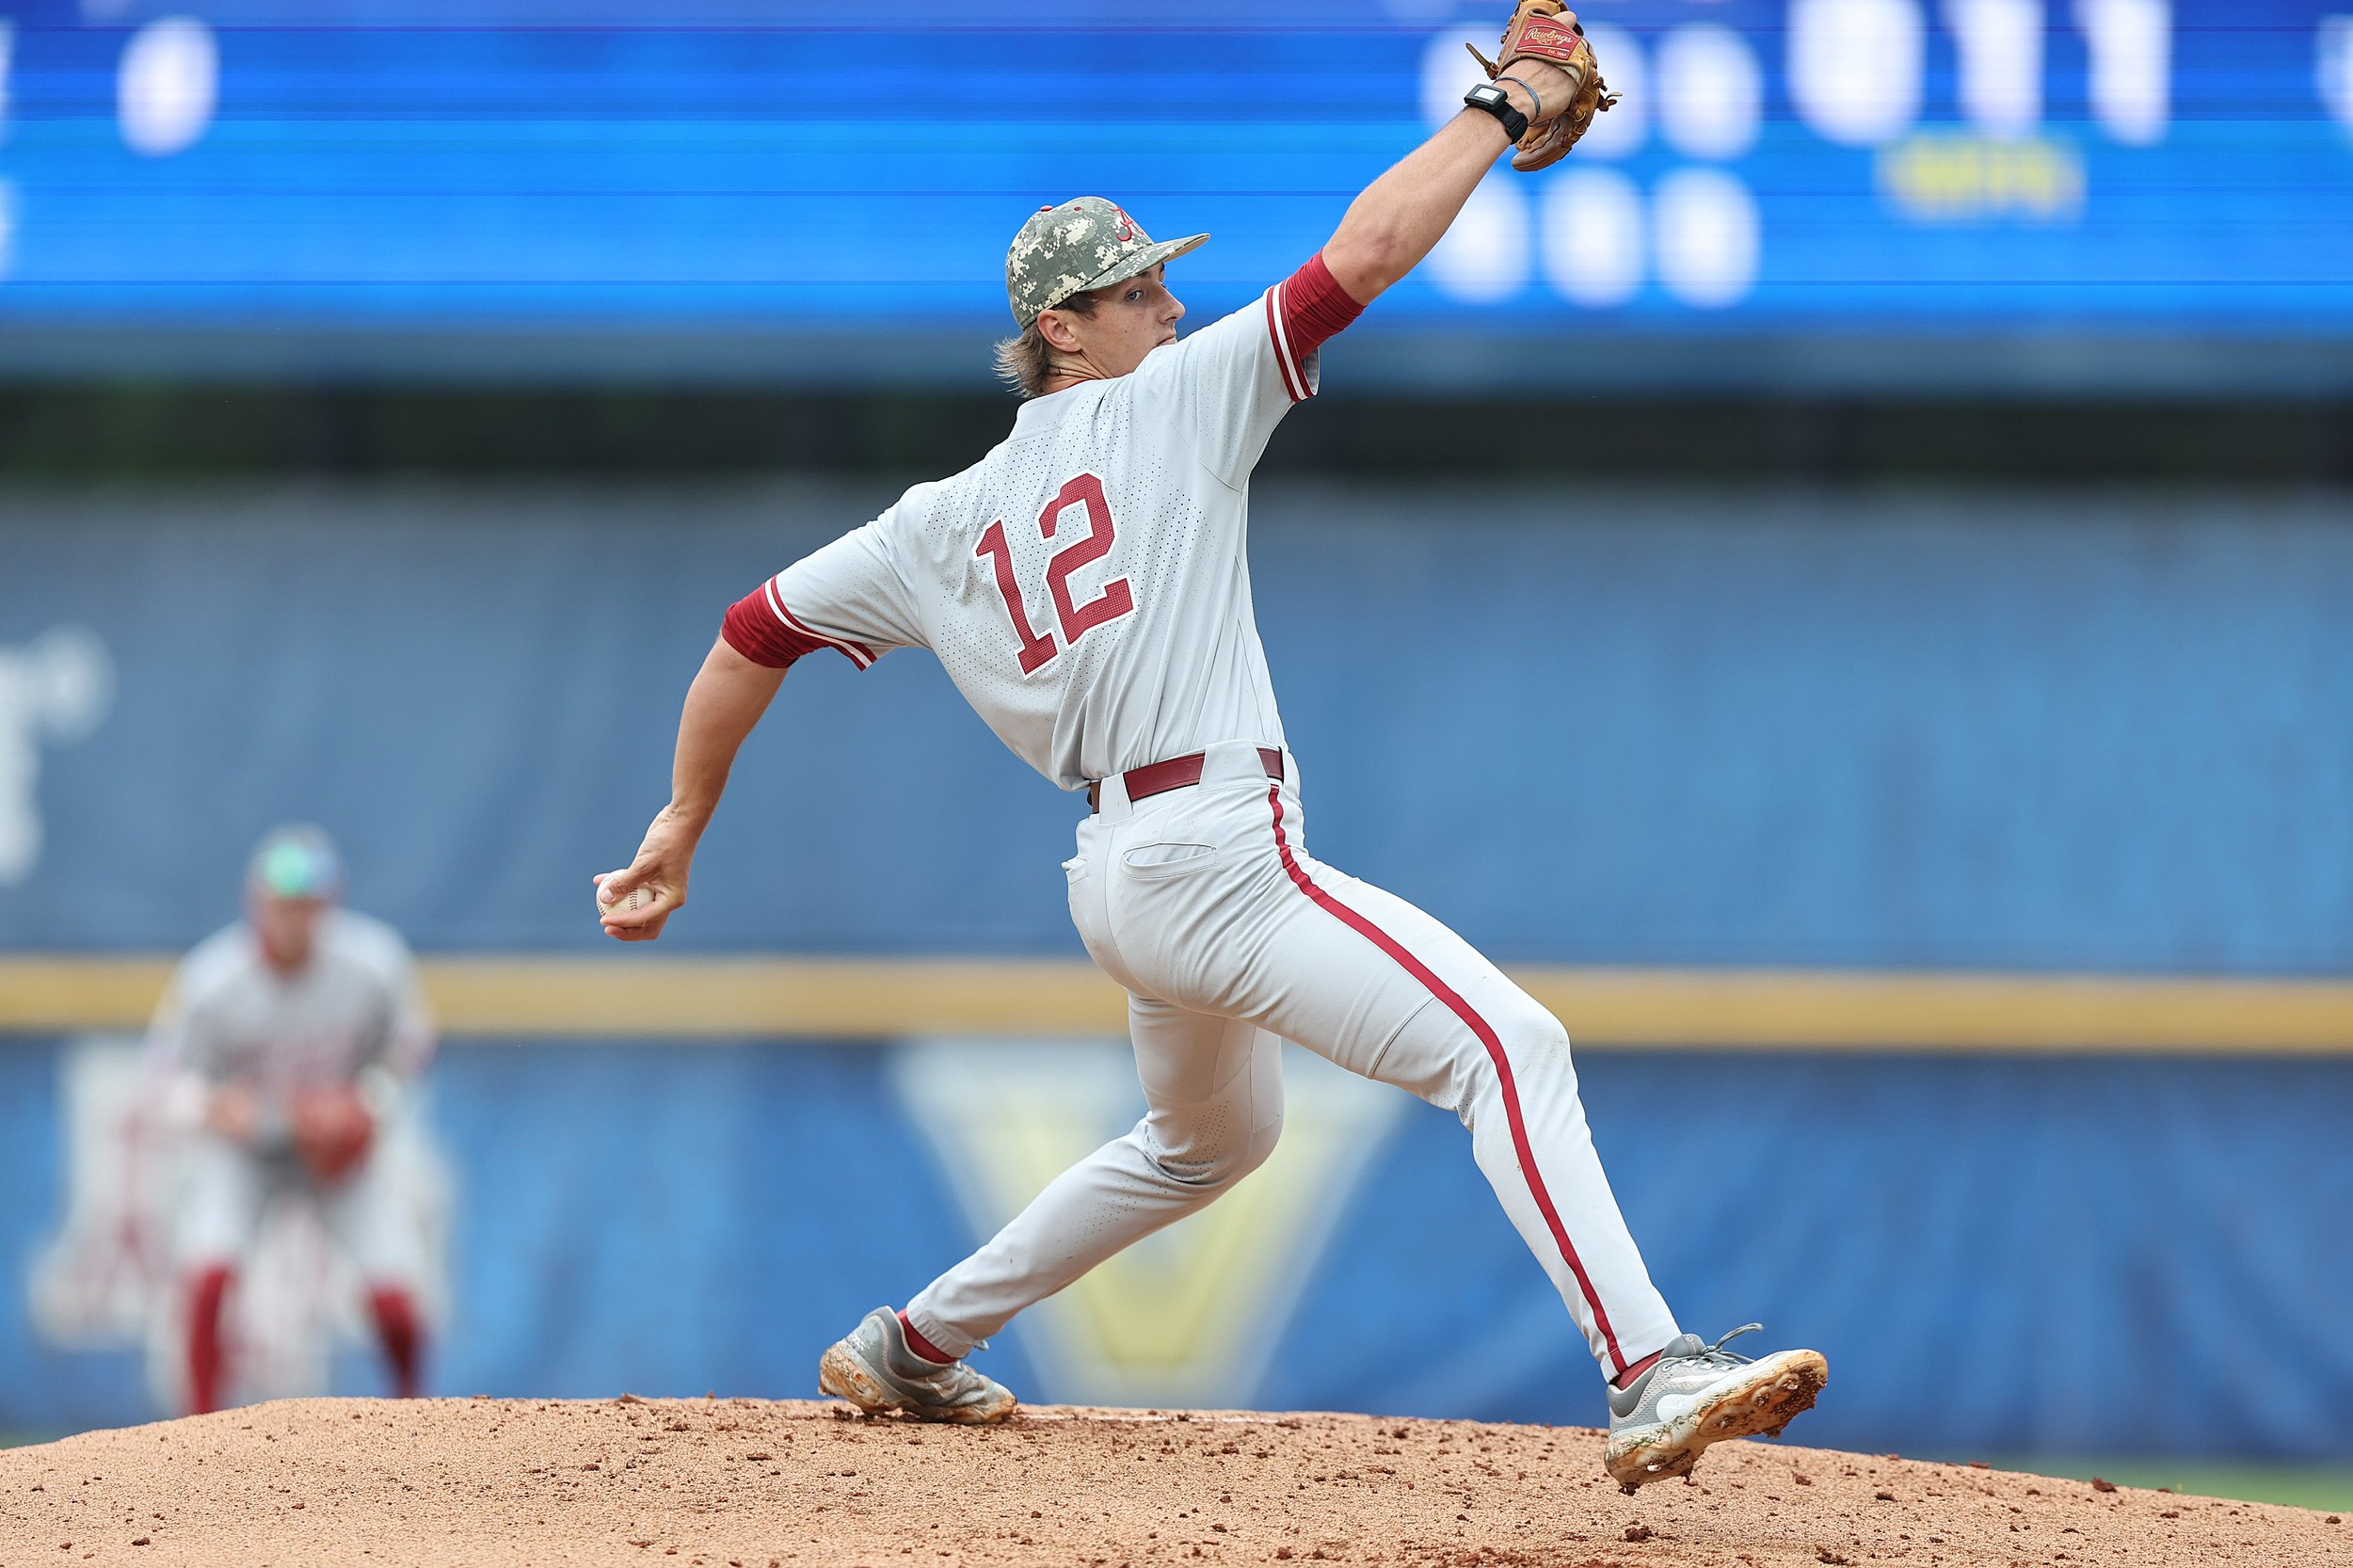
1114 599
1035 650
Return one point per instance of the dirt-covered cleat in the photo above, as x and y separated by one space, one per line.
1696 1394
877 1370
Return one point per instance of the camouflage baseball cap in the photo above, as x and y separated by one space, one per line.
1085 243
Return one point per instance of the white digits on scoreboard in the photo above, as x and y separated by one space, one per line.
2132 66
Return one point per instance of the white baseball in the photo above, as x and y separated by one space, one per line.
630 902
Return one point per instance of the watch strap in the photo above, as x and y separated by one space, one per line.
1495 100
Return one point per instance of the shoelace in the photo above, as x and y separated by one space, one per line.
1717 1355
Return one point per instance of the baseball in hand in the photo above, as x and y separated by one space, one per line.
629 903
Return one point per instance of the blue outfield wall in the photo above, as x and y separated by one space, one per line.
2000 1257
2014 729
1991 730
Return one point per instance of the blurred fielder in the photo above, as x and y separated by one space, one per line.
1086 584
290 1040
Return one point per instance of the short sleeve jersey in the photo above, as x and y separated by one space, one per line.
229 1017
1086 584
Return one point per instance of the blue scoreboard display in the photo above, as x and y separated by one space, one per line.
2015 191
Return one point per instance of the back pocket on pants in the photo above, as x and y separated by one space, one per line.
1153 862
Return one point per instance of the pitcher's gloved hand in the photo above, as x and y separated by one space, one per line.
332 1130
1549 31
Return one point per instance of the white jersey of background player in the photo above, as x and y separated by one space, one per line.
287 1041
1086 586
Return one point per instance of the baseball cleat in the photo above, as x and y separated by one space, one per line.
1696 1394
876 1371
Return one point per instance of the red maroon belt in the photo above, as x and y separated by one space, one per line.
1157 778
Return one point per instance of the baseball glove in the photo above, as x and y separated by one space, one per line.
332 1130
1548 30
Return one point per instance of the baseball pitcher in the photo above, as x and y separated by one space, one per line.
288 1040
1086 586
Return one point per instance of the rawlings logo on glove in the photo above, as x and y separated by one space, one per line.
1548 30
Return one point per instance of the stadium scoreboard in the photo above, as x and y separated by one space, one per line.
2018 191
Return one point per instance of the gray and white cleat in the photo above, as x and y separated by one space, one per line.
1696 1394
875 1370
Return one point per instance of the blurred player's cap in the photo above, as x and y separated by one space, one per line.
1085 243
295 861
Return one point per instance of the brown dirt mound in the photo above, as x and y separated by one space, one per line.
751 1483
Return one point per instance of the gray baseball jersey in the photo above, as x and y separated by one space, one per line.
229 1018
1086 584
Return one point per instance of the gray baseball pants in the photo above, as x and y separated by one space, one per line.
1229 938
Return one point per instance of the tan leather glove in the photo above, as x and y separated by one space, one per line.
332 1130
1548 30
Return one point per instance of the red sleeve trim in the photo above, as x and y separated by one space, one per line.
1303 311
857 653
753 631
1294 382
758 627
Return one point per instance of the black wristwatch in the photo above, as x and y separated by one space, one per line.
1493 98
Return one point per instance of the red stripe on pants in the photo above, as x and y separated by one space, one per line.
207 1359
1488 1038
402 1337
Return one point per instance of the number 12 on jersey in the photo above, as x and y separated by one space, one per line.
1038 648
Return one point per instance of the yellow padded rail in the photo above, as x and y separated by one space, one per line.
646 996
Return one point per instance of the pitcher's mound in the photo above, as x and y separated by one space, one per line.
754 1483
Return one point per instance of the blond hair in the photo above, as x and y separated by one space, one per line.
1025 362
